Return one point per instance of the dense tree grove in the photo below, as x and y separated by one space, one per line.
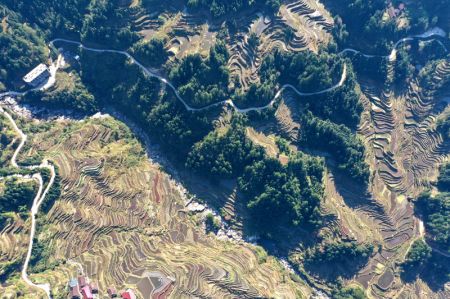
203 81
404 69
346 258
351 292
338 140
224 155
443 126
108 24
150 53
436 214
220 8
443 183
16 196
52 16
373 24
280 195
21 46
421 261
116 82
418 255
309 72
275 195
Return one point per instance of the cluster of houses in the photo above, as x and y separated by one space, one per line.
393 11
80 288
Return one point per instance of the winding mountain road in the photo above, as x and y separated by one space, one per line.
393 54
41 194
149 73
392 57
38 200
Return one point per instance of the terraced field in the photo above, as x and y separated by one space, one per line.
406 149
404 152
125 223
298 25
145 231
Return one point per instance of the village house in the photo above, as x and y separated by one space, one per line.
87 292
128 294
112 292
37 76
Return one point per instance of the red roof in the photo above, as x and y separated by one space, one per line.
126 295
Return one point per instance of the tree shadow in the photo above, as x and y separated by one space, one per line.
435 272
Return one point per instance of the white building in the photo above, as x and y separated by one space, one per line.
37 76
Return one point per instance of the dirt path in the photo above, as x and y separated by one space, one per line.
39 198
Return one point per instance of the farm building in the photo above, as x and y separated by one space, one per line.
37 76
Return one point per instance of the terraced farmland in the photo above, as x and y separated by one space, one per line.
145 230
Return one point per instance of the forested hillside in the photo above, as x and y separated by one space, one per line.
262 149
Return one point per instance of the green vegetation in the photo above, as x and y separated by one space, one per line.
279 196
435 210
261 254
17 196
220 8
114 81
436 215
346 148
9 267
42 253
203 81
22 47
374 25
225 155
52 16
6 138
212 223
418 255
443 127
308 72
346 258
443 183
54 193
108 24
150 53
350 292
422 262
404 69
77 98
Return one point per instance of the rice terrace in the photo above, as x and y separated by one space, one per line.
224 149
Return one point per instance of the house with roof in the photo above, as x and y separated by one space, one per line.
94 287
75 293
82 281
86 292
37 76
112 293
128 294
